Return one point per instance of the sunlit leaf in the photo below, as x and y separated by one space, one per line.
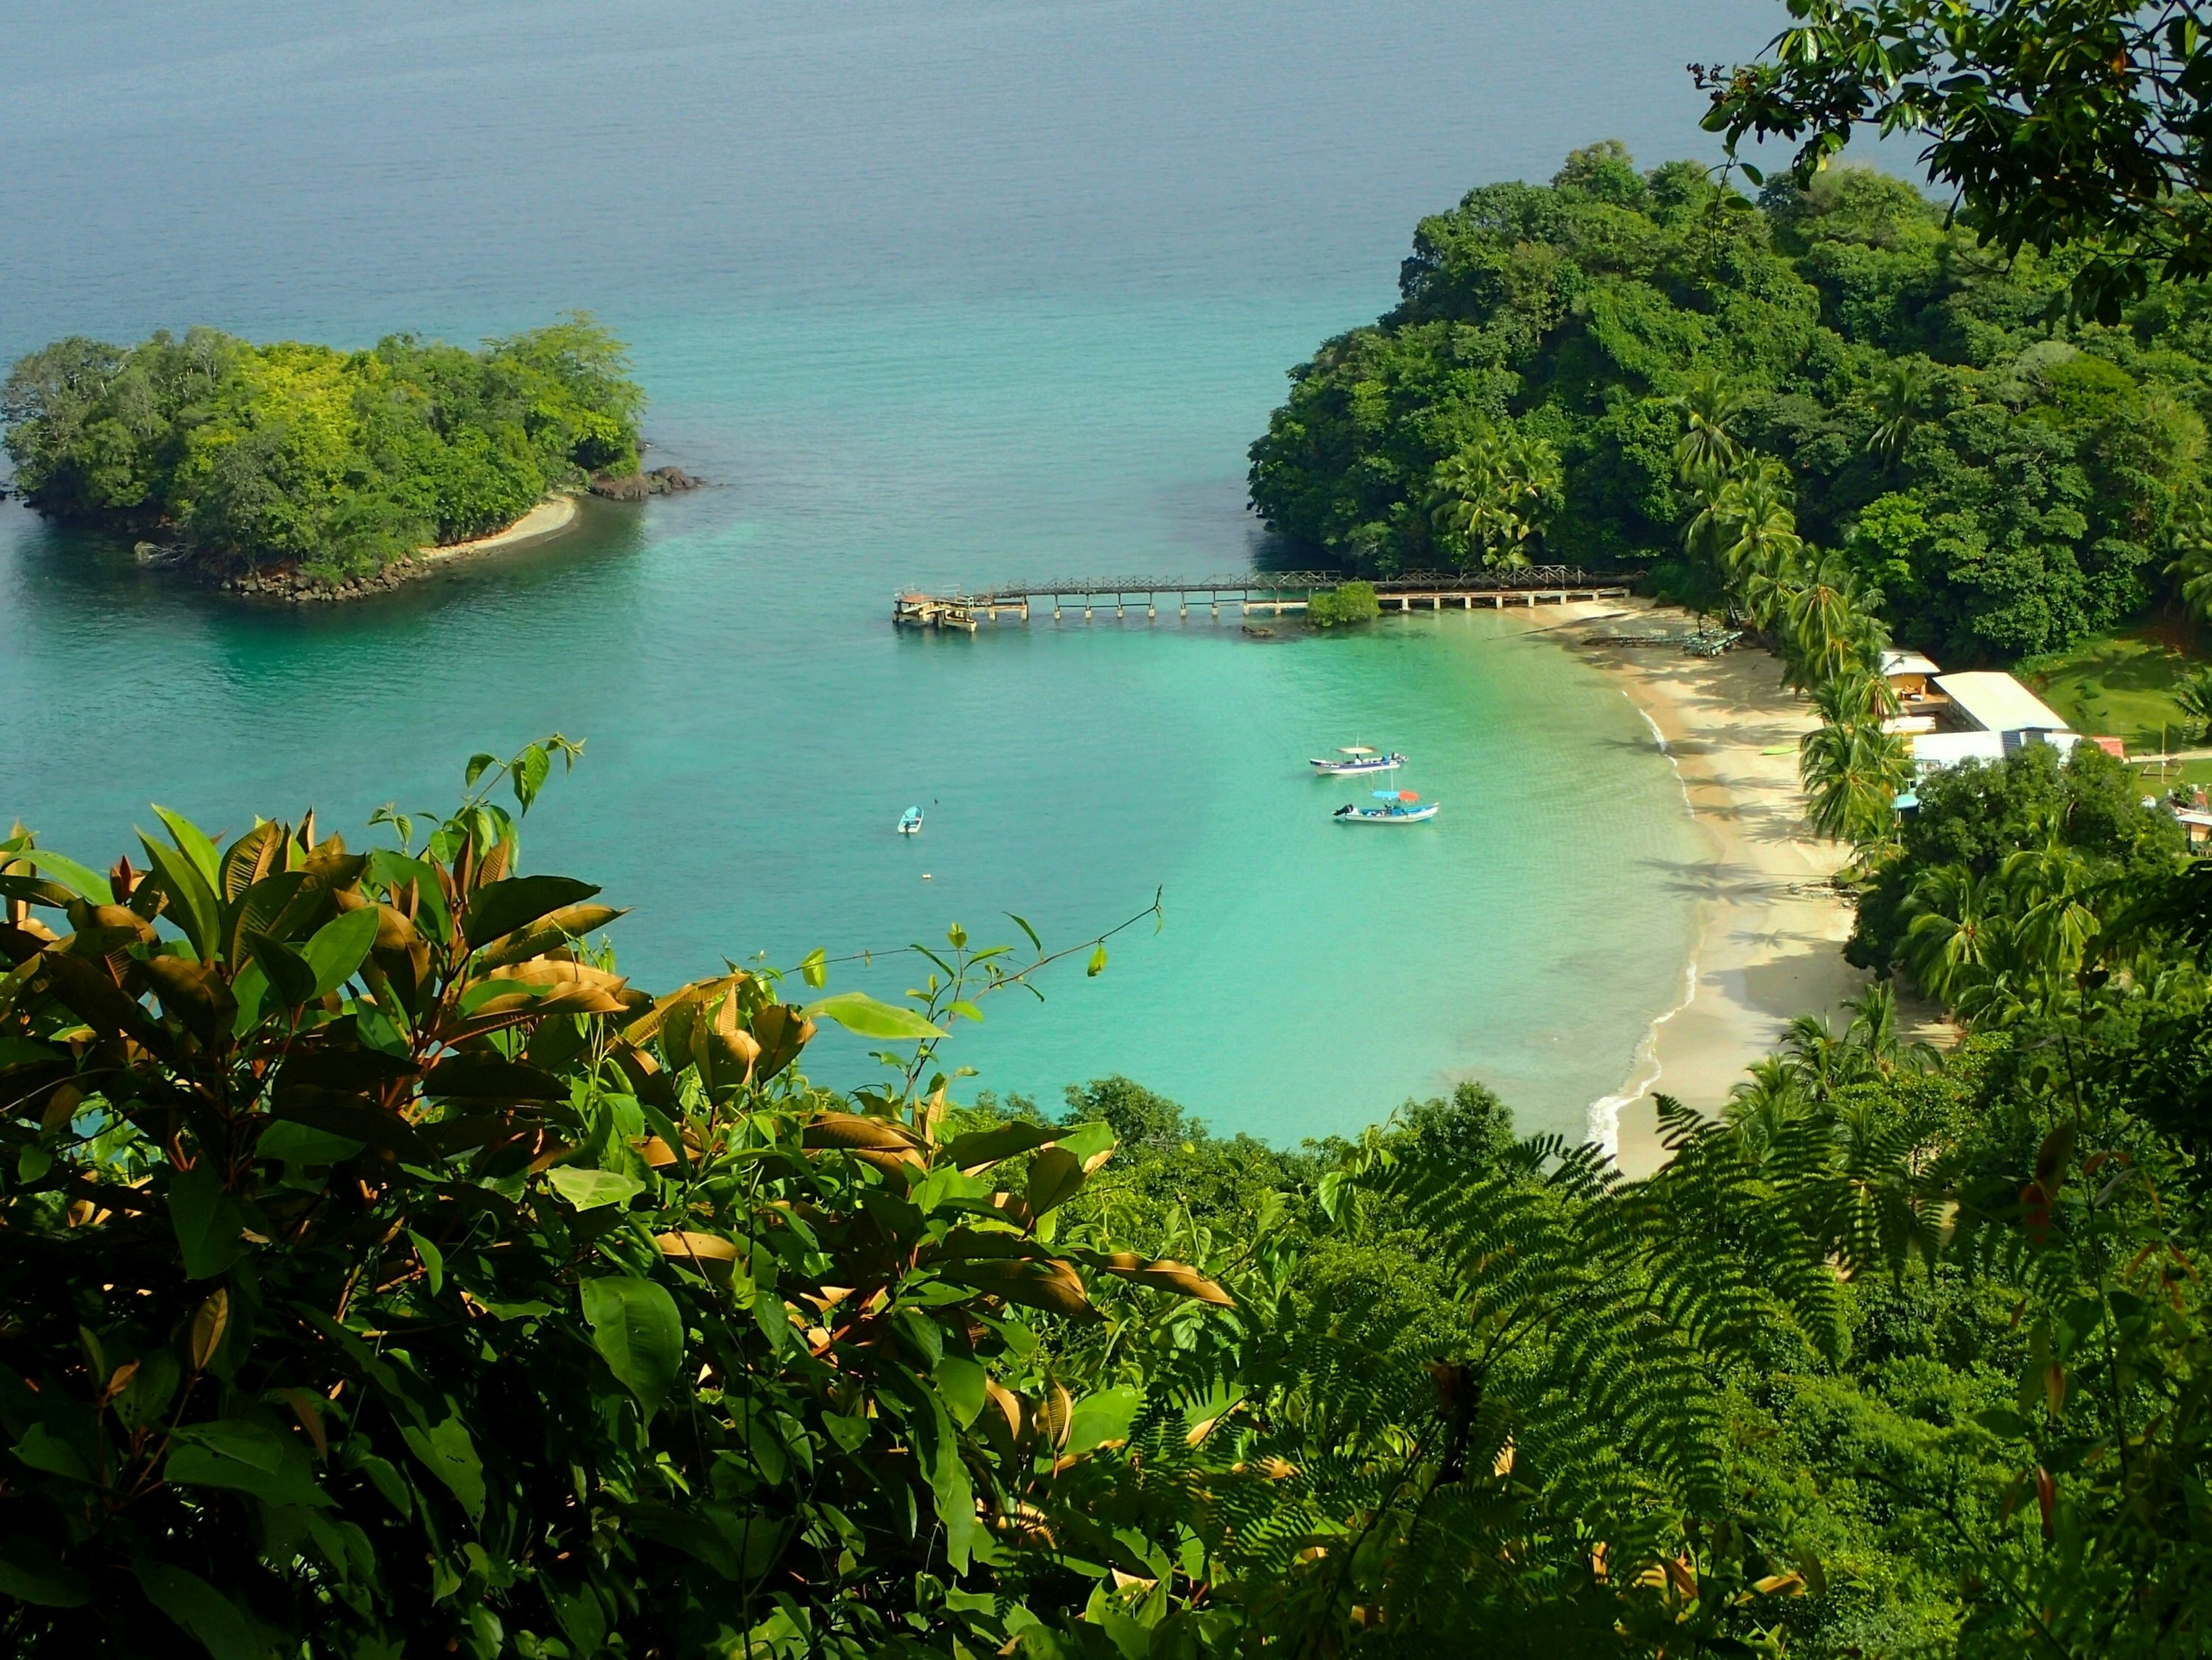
864 1017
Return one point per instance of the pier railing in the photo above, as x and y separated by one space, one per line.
1252 591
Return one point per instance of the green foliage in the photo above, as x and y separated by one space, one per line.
300 454
2007 485
1953 850
1352 602
2056 122
384 1274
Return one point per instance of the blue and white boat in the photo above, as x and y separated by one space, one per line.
1357 758
1399 807
910 821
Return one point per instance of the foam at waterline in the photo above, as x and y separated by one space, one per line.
1603 1123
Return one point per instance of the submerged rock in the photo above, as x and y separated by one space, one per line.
636 486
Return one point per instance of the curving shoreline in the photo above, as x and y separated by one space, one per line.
548 519
1769 926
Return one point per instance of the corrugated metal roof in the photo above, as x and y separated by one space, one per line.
1997 703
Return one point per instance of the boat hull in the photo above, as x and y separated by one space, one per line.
1353 768
1383 816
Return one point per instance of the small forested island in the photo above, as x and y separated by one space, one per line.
307 471
2008 479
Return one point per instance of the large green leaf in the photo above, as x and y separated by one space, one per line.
339 947
192 903
863 1016
88 884
209 1223
193 842
286 972
588 1190
979 1148
29 1574
244 1456
448 1451
225 1631
636 1329
1100 1417
500 907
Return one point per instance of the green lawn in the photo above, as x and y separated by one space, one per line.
2121 686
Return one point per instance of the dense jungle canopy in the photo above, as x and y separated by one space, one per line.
2005 480
297 454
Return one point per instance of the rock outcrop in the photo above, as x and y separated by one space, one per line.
636 486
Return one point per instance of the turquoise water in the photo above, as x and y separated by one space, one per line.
945 295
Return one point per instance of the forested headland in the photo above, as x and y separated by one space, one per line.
332 463
2005 477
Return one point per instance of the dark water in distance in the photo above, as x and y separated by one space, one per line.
932 293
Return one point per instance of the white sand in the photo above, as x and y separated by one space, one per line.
549 518
1771 928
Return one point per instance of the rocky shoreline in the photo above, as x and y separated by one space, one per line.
636 486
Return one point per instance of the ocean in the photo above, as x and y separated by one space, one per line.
945 294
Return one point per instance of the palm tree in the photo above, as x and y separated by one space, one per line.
1855 699
1761 545
1707 449
1898 403
1873 1032
2191 569
2047 890
1487 496
1832 626
1762 1105
2194 694
1462 501
1959 934
1852 775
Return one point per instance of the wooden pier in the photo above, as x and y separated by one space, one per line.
1257 593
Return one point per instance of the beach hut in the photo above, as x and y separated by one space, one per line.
1908 673
2197 823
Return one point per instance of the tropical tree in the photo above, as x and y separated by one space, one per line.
2194 695
1853 773
2056 122
1898 404
1707 449
1830 628
1487 498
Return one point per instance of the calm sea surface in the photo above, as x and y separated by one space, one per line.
932 293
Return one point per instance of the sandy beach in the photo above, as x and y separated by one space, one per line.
555 514
1769 929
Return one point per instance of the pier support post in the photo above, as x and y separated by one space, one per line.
1152 611
1217 611
1056 610
1184 614
1087 610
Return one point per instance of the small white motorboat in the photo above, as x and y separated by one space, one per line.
1356 759
910 821
1399 807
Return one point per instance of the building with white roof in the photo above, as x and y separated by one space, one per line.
1993 715
1994 701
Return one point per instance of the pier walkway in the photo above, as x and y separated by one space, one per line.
1259 592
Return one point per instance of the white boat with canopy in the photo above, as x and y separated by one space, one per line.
1354 758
